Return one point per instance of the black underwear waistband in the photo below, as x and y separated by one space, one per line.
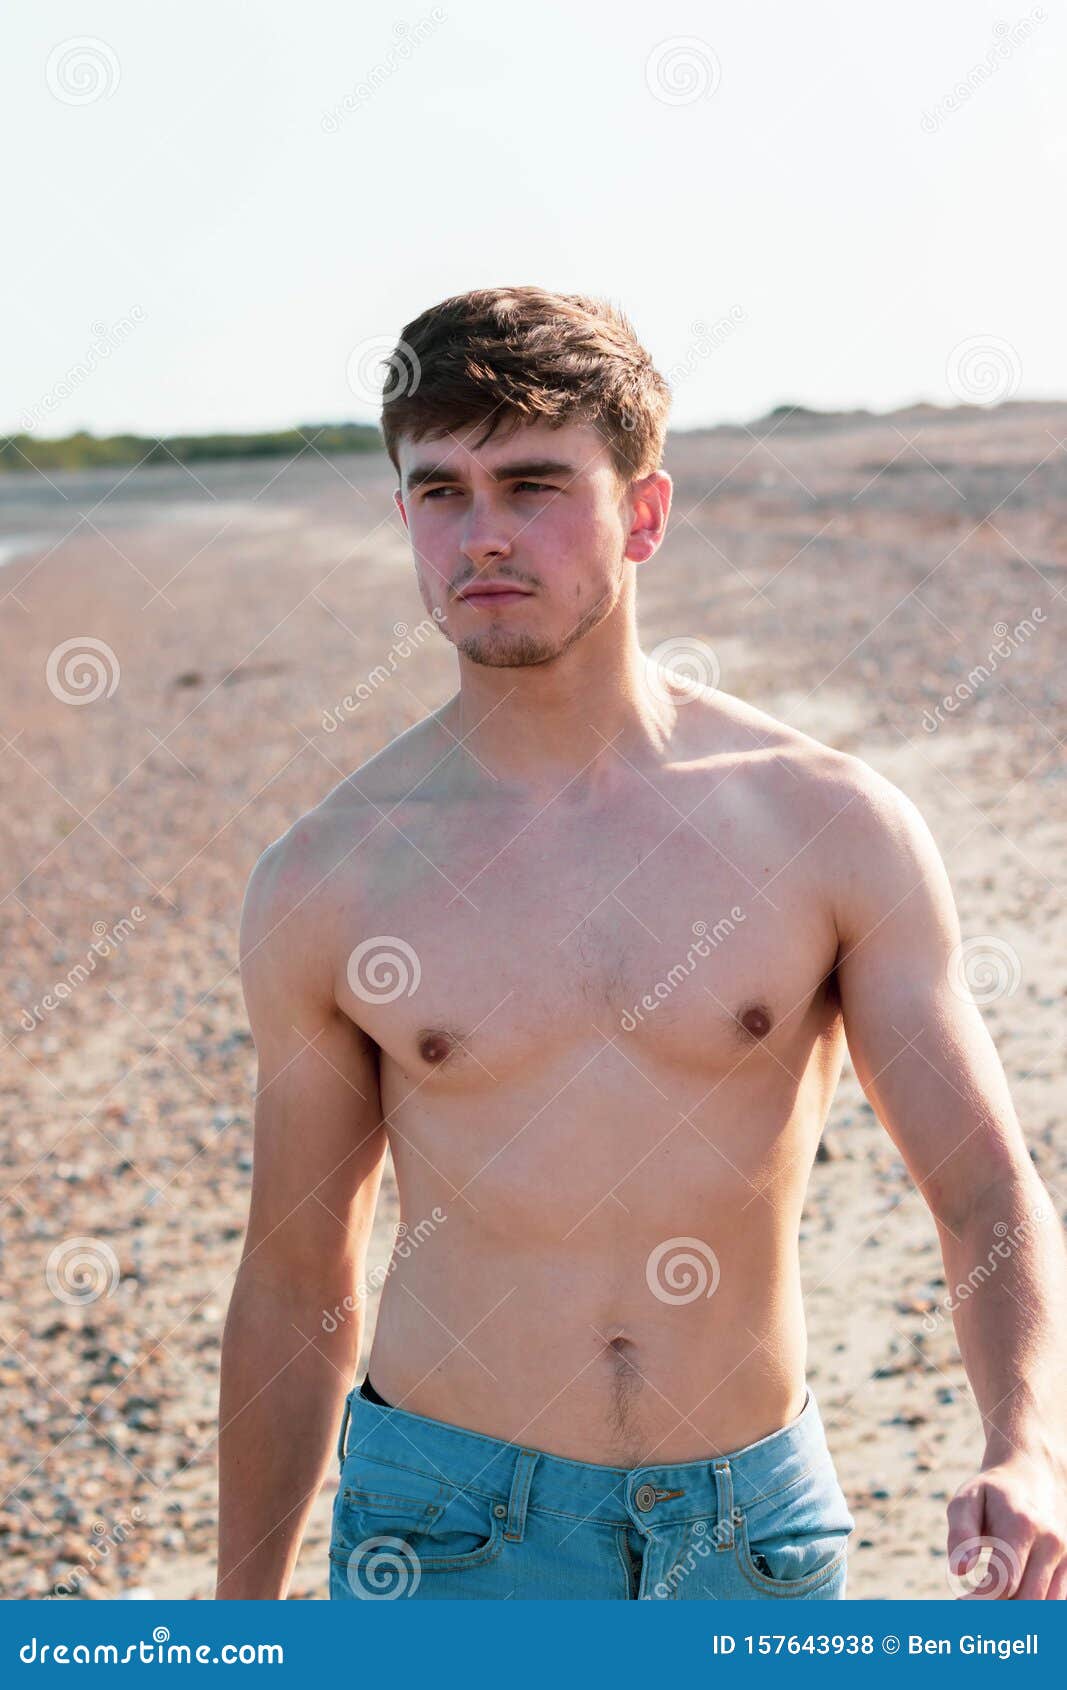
367 1390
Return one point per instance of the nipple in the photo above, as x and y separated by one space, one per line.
756 1021
435 1045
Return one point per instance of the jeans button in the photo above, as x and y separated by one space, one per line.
645 1498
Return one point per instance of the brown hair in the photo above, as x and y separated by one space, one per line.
509 356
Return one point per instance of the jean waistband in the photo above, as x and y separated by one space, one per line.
657 1492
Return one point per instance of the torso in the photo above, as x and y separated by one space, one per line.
604 1094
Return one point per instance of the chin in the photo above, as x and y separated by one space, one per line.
506 651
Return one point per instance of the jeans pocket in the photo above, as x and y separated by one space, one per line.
800 1550
386 1541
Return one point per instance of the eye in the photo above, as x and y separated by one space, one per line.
542 486
434 491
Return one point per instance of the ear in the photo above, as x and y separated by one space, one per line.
398 499
650 502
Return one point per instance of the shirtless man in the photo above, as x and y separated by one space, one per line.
582 948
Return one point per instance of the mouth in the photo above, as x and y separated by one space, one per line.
490 597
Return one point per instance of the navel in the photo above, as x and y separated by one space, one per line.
622 1352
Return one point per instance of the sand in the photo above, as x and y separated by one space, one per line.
848 573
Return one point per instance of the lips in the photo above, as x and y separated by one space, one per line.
493 592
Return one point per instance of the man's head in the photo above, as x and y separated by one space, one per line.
527 430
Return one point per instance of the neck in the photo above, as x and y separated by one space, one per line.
571 723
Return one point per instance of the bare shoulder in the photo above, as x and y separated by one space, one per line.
877 855
865 833
322 871
825 782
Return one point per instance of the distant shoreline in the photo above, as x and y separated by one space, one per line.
20 453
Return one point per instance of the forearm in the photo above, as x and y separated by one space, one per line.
280 1405
1006 1273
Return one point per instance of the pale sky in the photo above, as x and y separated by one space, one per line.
214 211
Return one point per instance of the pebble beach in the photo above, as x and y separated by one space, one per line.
191 657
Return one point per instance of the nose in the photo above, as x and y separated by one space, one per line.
485 535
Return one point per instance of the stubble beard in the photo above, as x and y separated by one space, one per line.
505 648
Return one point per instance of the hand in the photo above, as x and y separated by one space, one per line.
1017 1508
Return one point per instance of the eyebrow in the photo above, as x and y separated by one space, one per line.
525 469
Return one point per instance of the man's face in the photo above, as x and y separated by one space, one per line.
541 511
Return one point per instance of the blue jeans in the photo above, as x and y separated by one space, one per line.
427 1509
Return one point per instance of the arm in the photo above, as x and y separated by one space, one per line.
927 1063
319 1149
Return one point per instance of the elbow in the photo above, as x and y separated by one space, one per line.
985 1198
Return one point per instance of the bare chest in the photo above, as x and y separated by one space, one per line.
481 955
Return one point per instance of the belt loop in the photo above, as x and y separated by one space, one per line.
344 1428
520 1490
724 1498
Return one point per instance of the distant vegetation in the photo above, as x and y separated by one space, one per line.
88 451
